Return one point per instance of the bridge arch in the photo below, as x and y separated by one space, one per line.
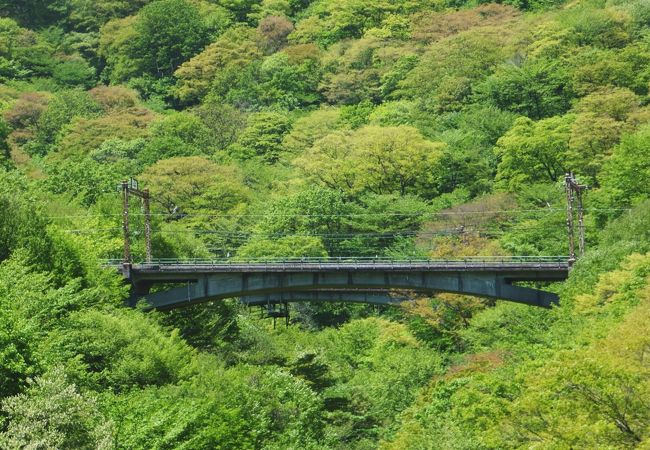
367 284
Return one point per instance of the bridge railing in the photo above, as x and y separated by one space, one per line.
560 260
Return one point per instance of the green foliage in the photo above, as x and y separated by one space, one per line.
216 18
331 22
244 407
34 13
22 53
149 47
90 15
60 111
178 134
208 327
183 126
608 28
380 160
608 67
357 115
224 123
193 182
323 213
533 151
168 32
622 236
119 350
537 89
236 74
282 247
373 379
26 230
390 80
315 211
74 73
115 40
213 195
30 307
353 71
275 9
468 55
240 8
288 128
263 136
603 382
233 51
623 174
289 85
307 130
84 135
16 359
4 146
53 414
199 421
88 178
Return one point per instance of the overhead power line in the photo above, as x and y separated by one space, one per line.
350 235
369 214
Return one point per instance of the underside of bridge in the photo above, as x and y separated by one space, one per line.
373 286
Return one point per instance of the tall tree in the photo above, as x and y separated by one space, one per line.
33 13
168 33
380 160
533 151
53 414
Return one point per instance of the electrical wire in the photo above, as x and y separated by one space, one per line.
368 214
351 235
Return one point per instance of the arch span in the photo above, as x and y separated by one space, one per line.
262 283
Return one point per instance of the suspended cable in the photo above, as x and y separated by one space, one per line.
368 214
351 235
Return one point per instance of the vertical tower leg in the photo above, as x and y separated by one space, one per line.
581 224
568 185
125 222
147 224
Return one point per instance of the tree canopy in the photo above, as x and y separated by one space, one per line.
335 130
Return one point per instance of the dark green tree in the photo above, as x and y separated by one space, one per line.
4 145
33 13
74 73
536 89
168 33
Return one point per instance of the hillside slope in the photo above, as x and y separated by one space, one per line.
297 128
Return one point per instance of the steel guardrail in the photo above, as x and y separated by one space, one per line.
517 263
339 260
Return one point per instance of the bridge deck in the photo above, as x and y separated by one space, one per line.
310 265
314 280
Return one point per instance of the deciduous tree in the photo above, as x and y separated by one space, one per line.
533 151
168 33
375 159
54 414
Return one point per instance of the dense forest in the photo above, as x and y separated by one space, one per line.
323 128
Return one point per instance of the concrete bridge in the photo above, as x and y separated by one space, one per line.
373 281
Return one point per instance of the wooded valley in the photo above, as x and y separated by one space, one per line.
392 129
